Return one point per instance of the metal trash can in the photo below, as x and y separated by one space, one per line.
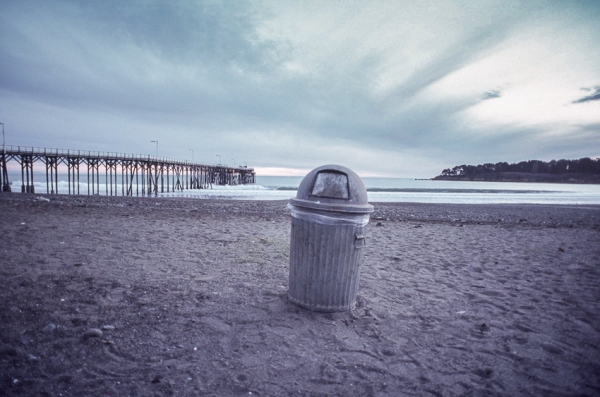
329 216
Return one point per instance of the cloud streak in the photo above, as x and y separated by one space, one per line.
490 95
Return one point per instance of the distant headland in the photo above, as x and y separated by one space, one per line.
584 170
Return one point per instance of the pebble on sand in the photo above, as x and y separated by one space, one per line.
93 333
108 327
48 328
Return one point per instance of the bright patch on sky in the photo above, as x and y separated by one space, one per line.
527 81
280 171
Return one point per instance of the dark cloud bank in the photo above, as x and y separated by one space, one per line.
593 97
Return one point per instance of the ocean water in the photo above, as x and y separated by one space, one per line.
379 190
457 192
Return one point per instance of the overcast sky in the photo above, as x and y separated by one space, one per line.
388 88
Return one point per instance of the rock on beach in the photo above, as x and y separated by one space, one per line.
93 333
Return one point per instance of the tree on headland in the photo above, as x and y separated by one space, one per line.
584 170
584 165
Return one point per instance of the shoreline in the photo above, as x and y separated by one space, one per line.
190 297
553 215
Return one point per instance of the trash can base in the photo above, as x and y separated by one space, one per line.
322 309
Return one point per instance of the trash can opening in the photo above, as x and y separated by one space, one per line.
331 185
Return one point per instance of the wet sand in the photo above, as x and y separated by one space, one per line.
189 297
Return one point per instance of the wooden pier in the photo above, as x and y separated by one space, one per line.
138 174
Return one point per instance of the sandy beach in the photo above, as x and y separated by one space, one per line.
106 296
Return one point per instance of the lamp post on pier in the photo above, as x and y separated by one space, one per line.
156 141
192 150
219 156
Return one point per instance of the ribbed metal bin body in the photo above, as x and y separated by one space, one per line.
325 265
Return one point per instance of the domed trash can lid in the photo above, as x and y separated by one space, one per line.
333 188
